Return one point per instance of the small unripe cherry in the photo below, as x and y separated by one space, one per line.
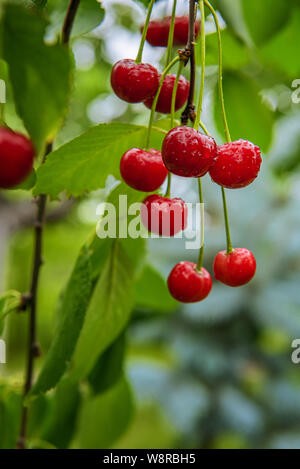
16 158
134 82
187 152
235 269
187 284
164 216
165 96
236 165
143 170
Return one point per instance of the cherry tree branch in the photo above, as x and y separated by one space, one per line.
31 297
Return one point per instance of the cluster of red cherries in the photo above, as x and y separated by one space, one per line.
188 153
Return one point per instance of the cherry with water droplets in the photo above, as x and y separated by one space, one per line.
187 284
134 82
236 268
165 96
164 216
143 170
187 152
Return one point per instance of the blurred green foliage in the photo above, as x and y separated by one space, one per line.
212 375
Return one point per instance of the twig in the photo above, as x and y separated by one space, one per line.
69 20
189 112
33 348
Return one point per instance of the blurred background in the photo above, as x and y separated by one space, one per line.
217 374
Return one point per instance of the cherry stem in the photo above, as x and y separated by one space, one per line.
220 78
171 34
189 111
144 34
201 252
165 72
196 126
173 102
226 128
203 56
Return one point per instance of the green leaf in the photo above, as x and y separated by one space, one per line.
10 406
60 426
108 312
90 14
231 11
283 49
151 281
248 117
105 418
72 311
109 366
9 302
40 74
235 52
84 163
265 18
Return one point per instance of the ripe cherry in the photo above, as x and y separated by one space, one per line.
235 269
237 164
187 152
164 216
158 31
16 158
181 30
165 96
134 82
143 170
187 284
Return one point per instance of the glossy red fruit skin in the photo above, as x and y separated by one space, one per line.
165 96
237 164
164 216
187 152
188 285
16 158
181 30
134 82
143 170
158 31
235 269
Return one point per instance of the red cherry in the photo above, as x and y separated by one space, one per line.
237 164
235 269
181 30
143 170
187 284
134 82
187 152
165 96
158 31
164 216
16 158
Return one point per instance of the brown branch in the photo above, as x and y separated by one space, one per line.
69 20
33 348
189 112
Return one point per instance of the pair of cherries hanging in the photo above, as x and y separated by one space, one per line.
185 152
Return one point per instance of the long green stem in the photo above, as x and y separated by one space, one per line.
165 72
171 34
226 128
144 33
173 103
201 252
220 77
203 56
196 126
